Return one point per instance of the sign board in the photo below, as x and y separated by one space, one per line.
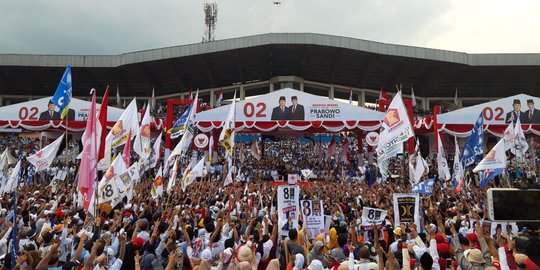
38 109
201 140
372 216
292 178
502 111
372 138
288 208
313 213
406 208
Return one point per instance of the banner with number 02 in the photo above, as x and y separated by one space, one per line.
288 208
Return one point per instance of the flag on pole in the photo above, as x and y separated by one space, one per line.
14 244
442 163
458 177
509 137
157 185
153 100
396 129
456 101
118 100
255 152
89 157
424 187
492 164
173 174
219 97
179 125
102 124
128 122
520 142
186 139
13 179
210 147
350 96
474 148
155 154
44 157
331 150
413 98
108 189
190 175
126 153
383 95
142 142
228 178
191 93
345 155
227 134
421 165
62 96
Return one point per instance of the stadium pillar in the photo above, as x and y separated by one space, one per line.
271 87
331 92
302 86
212 97
362 98
242 92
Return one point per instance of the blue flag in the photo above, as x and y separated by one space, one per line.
489 174
31 172
424 187
14 244
473 151
62 96
178 126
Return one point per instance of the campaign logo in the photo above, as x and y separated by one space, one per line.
372 138
491 155
391 118
201 140
118 128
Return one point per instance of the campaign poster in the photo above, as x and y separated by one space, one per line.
406 208
288 208
313 213
372 217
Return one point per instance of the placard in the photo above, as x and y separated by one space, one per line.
288 208
313 214
373 216
406 209
292 178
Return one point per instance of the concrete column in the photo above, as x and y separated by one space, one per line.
271 87
1 100
302 86
242 92
362 98
331 92
212 97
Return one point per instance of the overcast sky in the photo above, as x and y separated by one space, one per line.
118 26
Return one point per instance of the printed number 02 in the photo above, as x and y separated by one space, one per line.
28 114
493 114
249 109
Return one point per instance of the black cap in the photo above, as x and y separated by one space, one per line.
294 97
31 233
530 101
281 98
516 101
50 102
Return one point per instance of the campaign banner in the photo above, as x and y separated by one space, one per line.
289 104
373 216
42 109
502 111
313 215
288 208
292 178
406 208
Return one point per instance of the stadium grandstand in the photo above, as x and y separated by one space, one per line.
314 63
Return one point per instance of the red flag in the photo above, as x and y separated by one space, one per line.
88 167
219 97
103 123
331 150
126 154
383 95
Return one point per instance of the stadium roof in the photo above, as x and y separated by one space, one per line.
314 57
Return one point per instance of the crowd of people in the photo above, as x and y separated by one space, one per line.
211 226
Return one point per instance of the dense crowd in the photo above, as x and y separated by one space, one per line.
209 226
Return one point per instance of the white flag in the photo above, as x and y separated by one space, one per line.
508 137
13 179
396 129
459 175
520 142
141 144
4 159
456 101
128 122
227 133
413 98
228 178
156 151
186 139
442 163
44 157
306 172
190 175
255 153
495 159
153 101
157 185
107 188
172 176
420 168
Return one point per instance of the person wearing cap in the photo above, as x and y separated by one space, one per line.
532 115
475 259
296 110
281 112
50 113
515 114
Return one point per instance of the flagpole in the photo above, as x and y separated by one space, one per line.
234 137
